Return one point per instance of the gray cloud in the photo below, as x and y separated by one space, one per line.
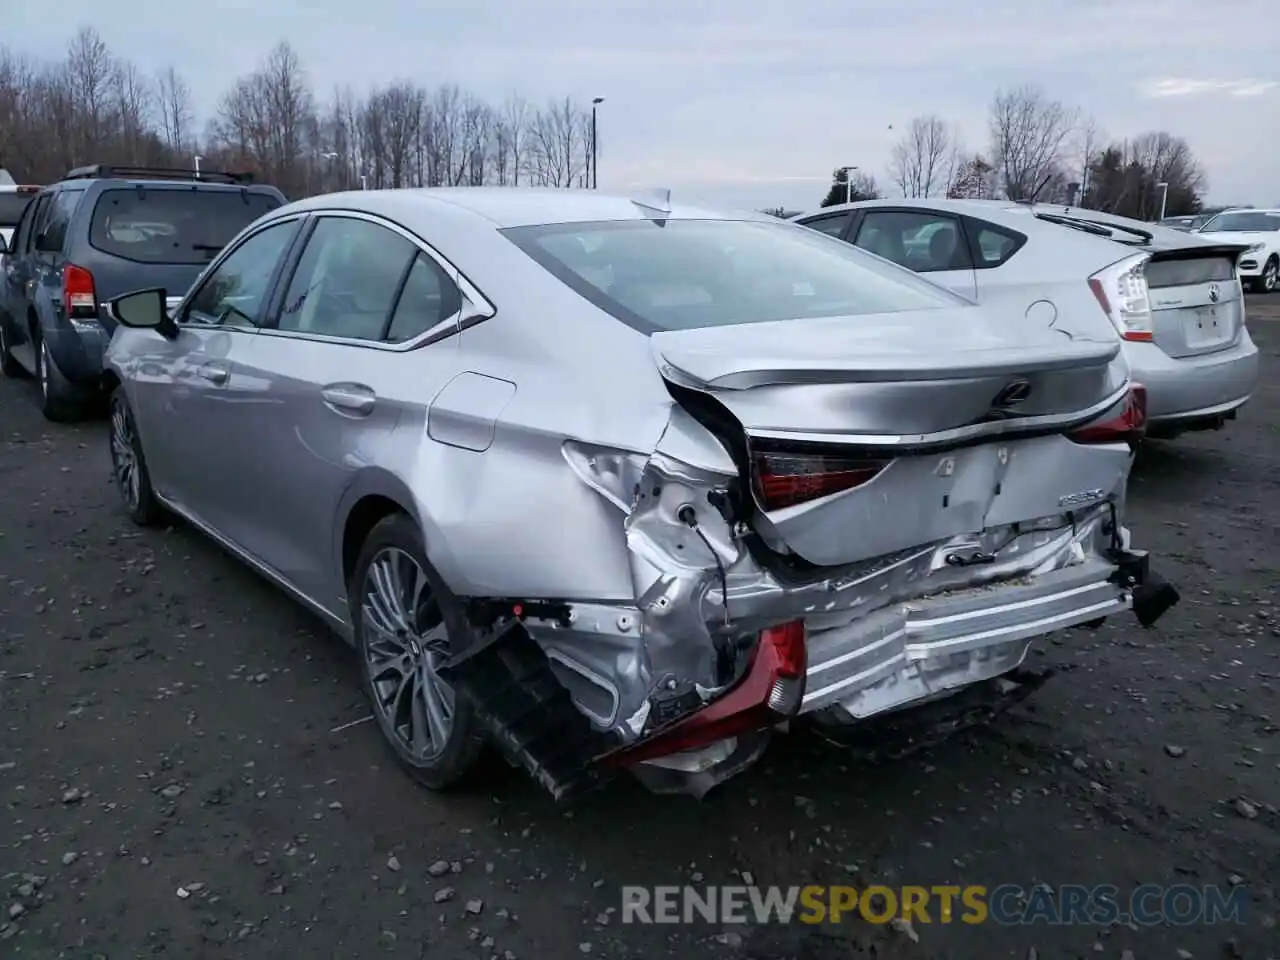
741 100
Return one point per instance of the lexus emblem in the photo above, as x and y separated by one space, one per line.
1014 392
1214 293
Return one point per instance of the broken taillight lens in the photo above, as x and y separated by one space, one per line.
784 478
770 692
1127 426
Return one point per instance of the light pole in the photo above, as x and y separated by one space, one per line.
1164 197
198 158
848 184
364 182
595 152
328 167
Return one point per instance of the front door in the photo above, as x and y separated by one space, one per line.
930 243
15 284
196 407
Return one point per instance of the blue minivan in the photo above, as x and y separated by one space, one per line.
97 233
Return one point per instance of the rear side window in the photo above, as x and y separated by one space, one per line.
12 204
923 242
995 245
683 274
183 225
61 209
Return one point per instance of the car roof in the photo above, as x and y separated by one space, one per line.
1021 216
503 207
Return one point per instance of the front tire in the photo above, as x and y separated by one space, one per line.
129 466
406 621
1270 278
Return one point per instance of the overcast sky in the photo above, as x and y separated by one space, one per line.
751 102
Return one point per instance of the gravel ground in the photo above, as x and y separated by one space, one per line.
172 781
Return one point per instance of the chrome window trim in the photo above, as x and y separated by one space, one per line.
476 308
236 243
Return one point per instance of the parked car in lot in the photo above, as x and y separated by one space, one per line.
1174 298
1185 224
13 200
622 483
1259 231
99 232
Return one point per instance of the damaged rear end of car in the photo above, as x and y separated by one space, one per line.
848 516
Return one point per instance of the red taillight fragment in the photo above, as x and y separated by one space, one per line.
786 478
770 692
78 294
1127 426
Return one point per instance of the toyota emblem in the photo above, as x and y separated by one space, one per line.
1014 392
1214 293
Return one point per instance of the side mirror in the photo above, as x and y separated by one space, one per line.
145 310
44 246
4 246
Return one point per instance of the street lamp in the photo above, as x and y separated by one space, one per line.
328 169
848 184
198 158
364 182
595 153
1164 196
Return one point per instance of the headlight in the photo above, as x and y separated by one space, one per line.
1254 248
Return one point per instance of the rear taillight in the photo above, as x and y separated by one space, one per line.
770 692
1126 426
786 478
78 295
1122 291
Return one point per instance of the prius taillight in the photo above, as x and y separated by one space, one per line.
785 477
1127 426
78 293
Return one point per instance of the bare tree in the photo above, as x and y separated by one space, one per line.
90 68
1089 141
1028 132
173 98
918 160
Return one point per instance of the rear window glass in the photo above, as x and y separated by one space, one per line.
11 206
682 274
168 225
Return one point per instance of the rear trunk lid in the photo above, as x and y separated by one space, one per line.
933 423
1196 304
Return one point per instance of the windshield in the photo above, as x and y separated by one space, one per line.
12 204
682 274
1242 222
172 225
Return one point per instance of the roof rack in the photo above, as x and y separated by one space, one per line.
99 171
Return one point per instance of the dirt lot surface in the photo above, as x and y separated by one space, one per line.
171 781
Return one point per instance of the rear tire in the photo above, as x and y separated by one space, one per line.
58 402
133 480
9 366
405 621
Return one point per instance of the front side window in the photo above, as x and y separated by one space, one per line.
172 224
923 242
681 274
347 280
235 292
26 226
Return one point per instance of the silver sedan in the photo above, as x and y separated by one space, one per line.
621 484
1174 298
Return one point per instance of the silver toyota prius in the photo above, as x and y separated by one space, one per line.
619 484
1174 298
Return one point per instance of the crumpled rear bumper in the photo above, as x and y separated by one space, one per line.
924 648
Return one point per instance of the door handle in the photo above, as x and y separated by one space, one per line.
349 398
213 373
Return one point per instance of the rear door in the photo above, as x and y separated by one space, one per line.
341 364
926 241
1196 304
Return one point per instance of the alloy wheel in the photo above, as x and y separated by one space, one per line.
1269 276
124 456
405 639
